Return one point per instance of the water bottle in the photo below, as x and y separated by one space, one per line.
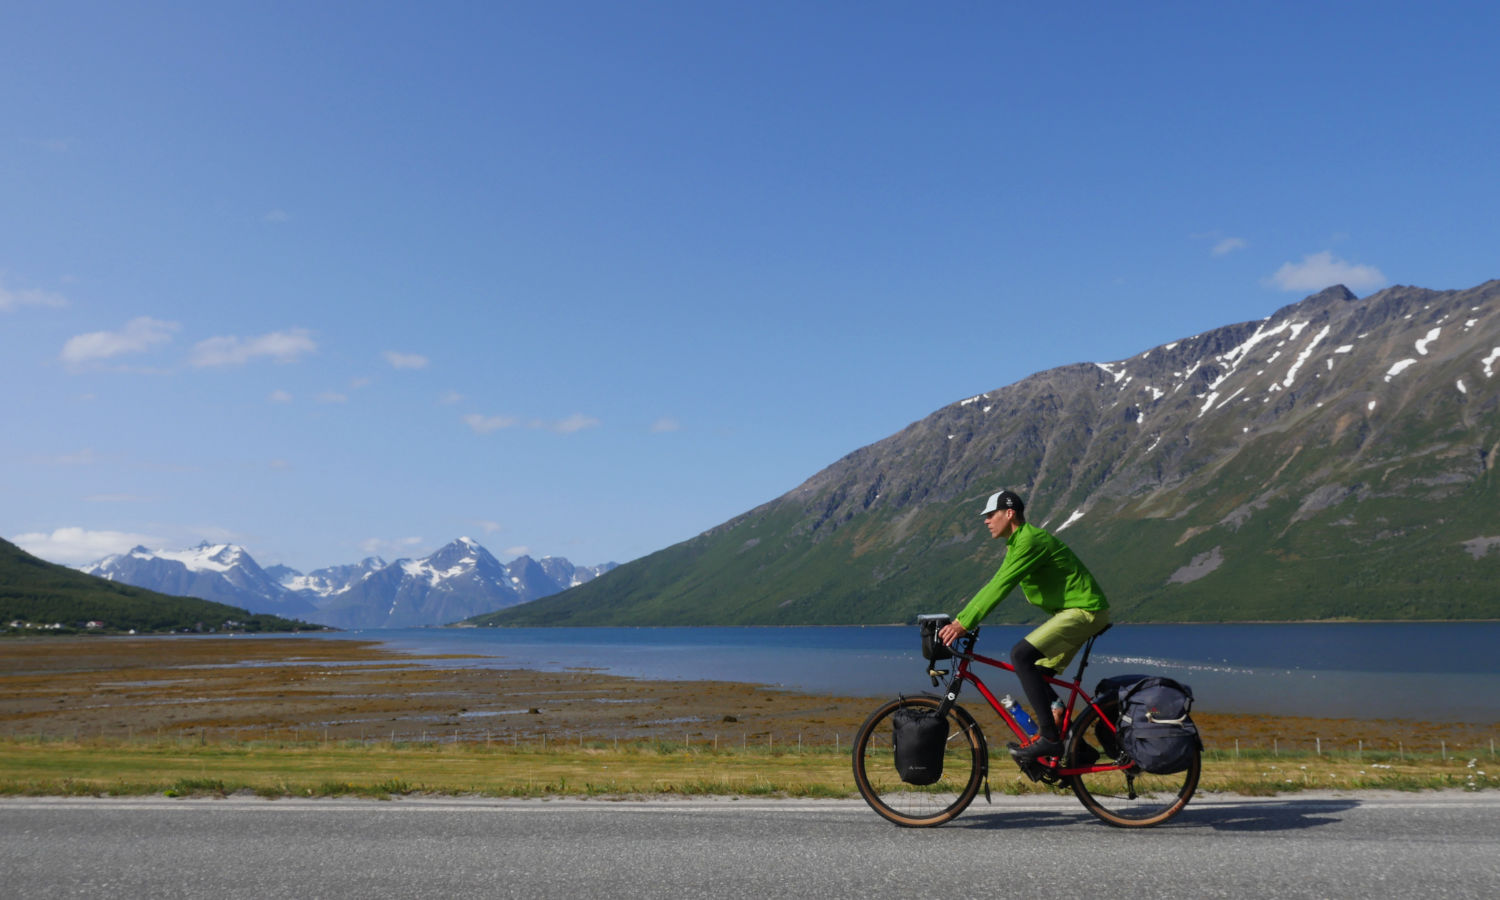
1018 713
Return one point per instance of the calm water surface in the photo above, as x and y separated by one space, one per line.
1433 671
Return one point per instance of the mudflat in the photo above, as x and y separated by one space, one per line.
236 688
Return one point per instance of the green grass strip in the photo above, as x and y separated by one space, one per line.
44 767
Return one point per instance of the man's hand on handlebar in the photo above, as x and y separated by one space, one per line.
951 632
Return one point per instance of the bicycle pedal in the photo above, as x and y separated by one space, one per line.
1028 767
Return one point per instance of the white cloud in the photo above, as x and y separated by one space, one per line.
389 547
574 423
489 527
1321 270
1229 245
12 300
276 217
333 397
451 398
281 346
279 396
486 424
405 360
139 335
665 424
518 550
483 424
79 546
84 457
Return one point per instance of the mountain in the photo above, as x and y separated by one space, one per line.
224 573
40 594
1334 460
458 581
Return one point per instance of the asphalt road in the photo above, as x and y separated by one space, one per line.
1365 845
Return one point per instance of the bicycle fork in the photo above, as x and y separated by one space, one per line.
950 698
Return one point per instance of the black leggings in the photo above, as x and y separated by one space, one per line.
1034 681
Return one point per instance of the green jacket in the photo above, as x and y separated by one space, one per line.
1048 572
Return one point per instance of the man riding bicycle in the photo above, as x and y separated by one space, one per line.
1052 578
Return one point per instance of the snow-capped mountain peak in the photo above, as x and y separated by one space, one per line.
458 580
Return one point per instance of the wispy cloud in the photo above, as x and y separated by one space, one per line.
405 360
1320 270
84 457
56 144
482 424
486 424
12 300
80 546
665 424
276 217
138 336
389 546
333 397
279 396
1229 245
574 423
280 346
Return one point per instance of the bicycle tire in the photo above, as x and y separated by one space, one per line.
1126 798
965 766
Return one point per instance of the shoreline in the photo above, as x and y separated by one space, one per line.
226 688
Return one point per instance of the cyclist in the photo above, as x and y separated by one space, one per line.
1052 578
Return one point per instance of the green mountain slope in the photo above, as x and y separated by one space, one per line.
42 593
1336 459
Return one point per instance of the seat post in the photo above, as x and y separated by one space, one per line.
1088 648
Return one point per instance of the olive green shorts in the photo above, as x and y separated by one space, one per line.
1059 637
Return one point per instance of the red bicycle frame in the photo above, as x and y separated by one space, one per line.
961 674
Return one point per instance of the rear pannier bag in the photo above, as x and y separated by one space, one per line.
1156 730
920 737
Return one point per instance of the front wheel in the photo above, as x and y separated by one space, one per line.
965 764
1127 797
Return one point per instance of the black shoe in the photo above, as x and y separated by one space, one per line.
1036 750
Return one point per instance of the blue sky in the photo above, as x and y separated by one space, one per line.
585 279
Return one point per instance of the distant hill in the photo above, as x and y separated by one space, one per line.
1334 460
41 594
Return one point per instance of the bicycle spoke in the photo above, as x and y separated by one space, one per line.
1125 797
918 805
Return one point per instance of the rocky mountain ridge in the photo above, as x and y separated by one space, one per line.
1333 460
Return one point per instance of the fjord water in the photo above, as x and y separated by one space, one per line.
1436 671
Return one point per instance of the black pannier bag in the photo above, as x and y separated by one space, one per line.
1156 729
920 736
933 648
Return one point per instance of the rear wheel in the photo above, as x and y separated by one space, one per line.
1127 797
965 761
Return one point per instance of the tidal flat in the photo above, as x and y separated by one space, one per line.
72 708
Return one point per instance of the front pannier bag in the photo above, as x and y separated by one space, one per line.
1156 730
920 736
933 648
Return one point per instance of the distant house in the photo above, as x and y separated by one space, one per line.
93 623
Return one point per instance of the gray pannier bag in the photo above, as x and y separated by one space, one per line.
1156 729
920 737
